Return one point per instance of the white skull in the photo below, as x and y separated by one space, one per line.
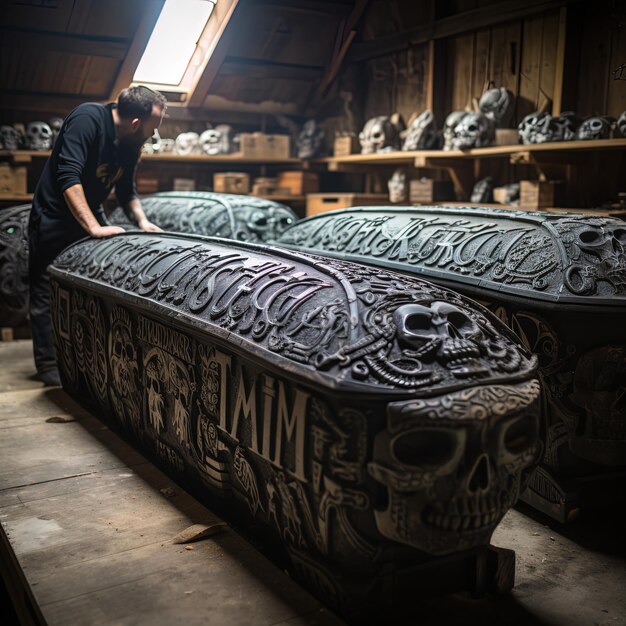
449 468
497 105
268 224
448 128
38 136
10 138
211 141
397 186
422 132
188 143
542 128
167 145
310 140
473 130
598 127
483 190
55 124
379 134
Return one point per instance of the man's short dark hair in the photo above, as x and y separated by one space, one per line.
138 102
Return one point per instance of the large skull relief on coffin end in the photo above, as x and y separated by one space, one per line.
380 134
449 468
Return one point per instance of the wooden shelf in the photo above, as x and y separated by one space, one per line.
281 197
15 197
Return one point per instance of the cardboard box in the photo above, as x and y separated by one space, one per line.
262 146
426 190
13 180
231 182
184 184
322 202
298 183
506 137
346 145
537 194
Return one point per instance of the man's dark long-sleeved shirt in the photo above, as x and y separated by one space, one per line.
85 153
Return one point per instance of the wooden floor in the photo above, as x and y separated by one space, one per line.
89 525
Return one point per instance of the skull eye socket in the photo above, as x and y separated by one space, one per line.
417 322
425 447
458 320
519 435
589 237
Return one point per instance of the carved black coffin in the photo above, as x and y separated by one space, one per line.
245 218
558 280
371 419
14 265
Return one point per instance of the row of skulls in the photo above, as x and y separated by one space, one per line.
37 135
213 141
539 127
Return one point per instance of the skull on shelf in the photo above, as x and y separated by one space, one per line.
473 130
187 143
542 127
421 133
448 128
620 127
10 138
598 127
381 134
211 141
397 186
55 124
483 190
38 136
497 105
310 142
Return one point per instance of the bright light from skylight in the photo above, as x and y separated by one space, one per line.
173 41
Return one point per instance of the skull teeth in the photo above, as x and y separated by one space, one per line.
459 523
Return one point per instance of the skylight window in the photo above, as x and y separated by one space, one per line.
173 41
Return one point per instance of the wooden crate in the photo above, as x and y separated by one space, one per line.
262 146
322 202
184 184
12 179
146 183
299 183
537 194
346 145
429 190
231 182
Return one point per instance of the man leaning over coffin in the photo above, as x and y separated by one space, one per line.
97 148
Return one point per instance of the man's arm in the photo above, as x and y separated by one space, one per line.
77 203
134 207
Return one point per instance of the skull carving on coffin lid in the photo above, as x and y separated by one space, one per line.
605 243
10 138
38 136
267 224
497 105
310 141
473 130
599 389
595 128
448 128
450 467
381 134
421 133
620 127
187 143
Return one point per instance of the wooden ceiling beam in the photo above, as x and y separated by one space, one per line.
451 26
151 12
263 69
221 37
308 6
61 42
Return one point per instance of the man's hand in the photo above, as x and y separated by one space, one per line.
105 231
148 226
